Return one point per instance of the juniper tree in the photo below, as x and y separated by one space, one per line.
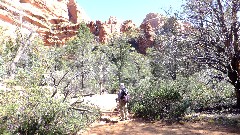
215 31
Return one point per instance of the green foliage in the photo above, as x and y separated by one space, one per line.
215 32
32 65
127 65
10 50
2 67
181 84
204 93
80 57
172 54
172 99
160 101
118 54
33 111
47 79
166 83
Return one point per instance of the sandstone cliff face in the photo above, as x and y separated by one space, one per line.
149 26
127 25
103 30
55 21
147 39
155 20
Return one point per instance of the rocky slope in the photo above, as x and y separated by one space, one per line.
55 21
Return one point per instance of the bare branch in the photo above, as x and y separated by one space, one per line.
62 78
91 94
81 109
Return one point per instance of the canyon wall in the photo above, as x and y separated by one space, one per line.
54 20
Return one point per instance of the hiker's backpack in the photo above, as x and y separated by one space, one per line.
124 95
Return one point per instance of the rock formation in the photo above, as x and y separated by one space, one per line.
55 21
149 26
127 25
147 39
155 20
105 29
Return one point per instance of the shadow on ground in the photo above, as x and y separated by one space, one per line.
210 126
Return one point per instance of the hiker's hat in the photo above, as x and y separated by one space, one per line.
121 84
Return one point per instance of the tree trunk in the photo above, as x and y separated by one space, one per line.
82 75
237 91
82 81
233 75
21 50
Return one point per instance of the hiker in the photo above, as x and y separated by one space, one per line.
103 91
123 101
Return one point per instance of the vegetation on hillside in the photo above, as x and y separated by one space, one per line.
183 72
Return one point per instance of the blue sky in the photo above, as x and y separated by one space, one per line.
135 10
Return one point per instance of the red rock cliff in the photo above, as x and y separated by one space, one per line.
150 25
104 30
55 21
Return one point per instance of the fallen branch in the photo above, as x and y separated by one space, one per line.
87 95
81 109
77 102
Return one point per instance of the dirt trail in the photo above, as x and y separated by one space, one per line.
140 127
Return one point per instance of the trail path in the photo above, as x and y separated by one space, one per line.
140 127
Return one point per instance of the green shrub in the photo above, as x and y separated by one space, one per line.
160 101
203 93
33 111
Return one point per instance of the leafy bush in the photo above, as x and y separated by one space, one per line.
33 111
162 100
171 99
204 92
41 81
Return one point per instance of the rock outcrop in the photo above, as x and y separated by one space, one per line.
155 20
55 21
127 25
103 30
149 26
147 39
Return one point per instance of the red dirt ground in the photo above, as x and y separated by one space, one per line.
140 127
